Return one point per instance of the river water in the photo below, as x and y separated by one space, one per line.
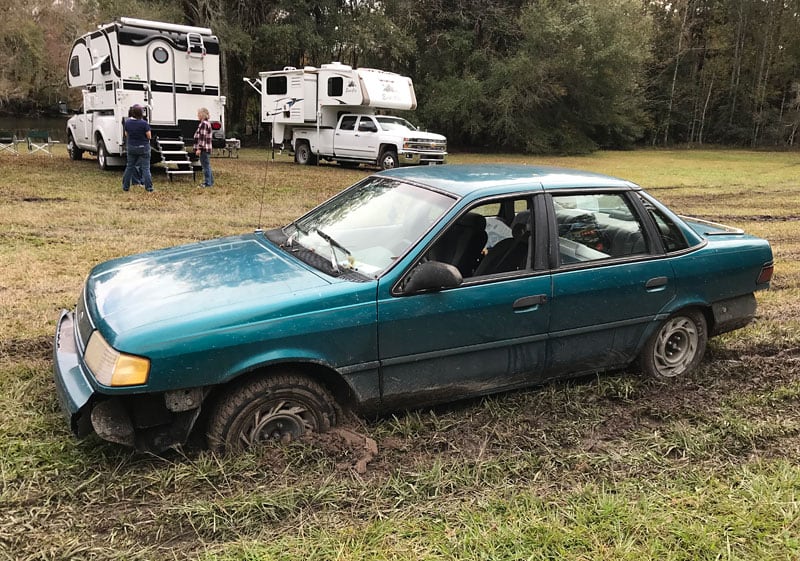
56 126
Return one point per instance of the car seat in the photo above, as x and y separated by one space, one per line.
462 243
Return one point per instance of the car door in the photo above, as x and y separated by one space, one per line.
609 281
485 335
345 140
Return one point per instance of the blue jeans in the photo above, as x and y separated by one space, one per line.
205 161
138 158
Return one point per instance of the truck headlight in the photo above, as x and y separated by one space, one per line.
113 368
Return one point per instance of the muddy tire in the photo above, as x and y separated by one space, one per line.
74 152
388 159
269 408
303 154
102 155
677 347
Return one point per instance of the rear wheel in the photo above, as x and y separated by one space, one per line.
74 152
270 408
303 154
677 347
102 155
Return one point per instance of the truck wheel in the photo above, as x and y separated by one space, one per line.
102 155
388 159
303 154
74 152
269 408
677 347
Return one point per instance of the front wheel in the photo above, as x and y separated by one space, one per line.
74 152
388 159
102 155
270 408
677 347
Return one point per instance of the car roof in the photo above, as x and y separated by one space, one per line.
465 179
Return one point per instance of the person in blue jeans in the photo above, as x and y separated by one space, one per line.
138 134
202 146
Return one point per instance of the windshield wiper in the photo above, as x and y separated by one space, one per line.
297 229
334 244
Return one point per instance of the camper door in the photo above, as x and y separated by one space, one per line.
161 60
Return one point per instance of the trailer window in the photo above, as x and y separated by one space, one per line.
74 66
160 55
335 86
276 85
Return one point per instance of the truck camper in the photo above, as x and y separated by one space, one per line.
170 70
331 113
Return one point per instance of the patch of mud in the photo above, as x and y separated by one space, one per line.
44 199
37 348
749 217
348 447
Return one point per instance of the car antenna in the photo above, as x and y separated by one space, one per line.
259 228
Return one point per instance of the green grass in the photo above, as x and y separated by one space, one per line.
604 468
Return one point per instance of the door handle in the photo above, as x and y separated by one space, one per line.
529 301
656 282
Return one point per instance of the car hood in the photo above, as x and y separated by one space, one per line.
208 282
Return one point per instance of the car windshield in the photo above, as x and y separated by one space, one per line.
369 226
394 123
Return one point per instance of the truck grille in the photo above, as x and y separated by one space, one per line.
422 145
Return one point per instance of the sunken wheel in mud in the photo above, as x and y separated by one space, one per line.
269 408
677 347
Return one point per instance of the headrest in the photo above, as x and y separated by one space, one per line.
472 220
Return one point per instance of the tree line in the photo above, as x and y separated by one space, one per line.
562 76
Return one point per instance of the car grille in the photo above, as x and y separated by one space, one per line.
83 322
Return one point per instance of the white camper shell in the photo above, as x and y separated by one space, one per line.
314 109
170 70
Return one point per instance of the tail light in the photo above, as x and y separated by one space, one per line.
766 273
216 125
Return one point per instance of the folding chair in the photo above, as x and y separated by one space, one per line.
8 142
39 141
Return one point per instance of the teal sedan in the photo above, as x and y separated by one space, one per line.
412 287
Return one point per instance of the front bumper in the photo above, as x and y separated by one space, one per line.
412 158
73 387
143 421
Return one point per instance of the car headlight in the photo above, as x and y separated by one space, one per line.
113 368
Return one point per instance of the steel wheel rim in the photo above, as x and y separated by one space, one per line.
71 146
282 421
302 154
388 162
676 346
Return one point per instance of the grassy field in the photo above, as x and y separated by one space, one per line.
606 468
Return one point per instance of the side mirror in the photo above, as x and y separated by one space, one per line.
432 276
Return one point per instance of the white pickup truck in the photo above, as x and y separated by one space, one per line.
382 140
332 113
